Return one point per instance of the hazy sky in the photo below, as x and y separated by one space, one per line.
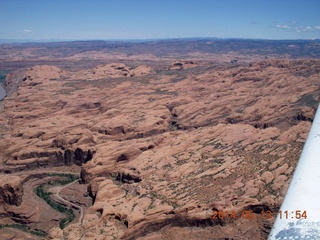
148 19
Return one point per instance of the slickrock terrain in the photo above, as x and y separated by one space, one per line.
160 148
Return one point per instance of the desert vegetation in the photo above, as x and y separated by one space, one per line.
46 196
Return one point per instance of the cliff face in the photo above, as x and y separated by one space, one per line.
10 190
166 149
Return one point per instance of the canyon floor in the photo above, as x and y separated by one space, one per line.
166 140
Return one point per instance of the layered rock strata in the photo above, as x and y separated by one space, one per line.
166 149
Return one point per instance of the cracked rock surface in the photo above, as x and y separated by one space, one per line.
162 151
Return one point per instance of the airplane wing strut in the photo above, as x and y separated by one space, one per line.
299 214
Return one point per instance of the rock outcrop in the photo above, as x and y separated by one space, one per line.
10 190
182 64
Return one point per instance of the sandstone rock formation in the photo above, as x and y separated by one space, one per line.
181 64
162 150
10 190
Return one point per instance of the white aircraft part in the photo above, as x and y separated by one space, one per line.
303 194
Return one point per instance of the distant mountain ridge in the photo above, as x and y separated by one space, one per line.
163 47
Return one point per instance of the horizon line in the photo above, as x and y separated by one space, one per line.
9 41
